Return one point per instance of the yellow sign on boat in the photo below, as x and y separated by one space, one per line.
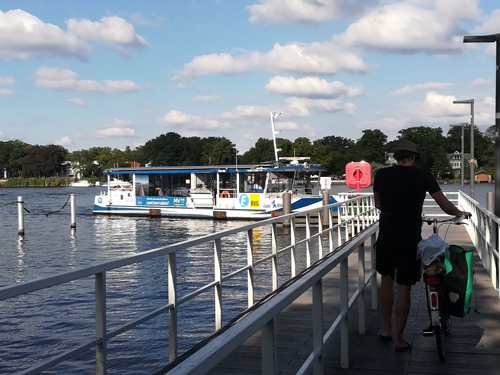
255 200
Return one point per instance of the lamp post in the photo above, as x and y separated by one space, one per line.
472 174
490 39
463 159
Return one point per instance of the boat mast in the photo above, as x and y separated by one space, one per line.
273 116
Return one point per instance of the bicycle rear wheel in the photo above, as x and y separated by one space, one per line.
439 332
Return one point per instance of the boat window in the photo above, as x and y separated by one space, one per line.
252 182
280 182
141 185
227 181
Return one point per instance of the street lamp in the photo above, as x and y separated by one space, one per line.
490 39
463 159
471 102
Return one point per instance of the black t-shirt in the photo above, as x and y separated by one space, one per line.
402 191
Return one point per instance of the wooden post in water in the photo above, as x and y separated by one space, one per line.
325 213
287 207
73 210
20 216
490 201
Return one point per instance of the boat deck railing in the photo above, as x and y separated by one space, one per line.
355 215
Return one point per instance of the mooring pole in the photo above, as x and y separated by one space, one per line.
73 210
20 216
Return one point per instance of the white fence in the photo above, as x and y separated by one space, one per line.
354 215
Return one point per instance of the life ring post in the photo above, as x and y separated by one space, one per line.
225 194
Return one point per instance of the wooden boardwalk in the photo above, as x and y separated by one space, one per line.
473 345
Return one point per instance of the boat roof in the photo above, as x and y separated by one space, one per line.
214 169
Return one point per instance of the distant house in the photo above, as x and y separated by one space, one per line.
133 164
482 176
389 159
456 162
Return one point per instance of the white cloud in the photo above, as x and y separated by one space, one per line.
64 141
117 123
481 82
490 24
7 81
66 79
113 31
184 121
7 92
115 132
77 101
311 87
299 107
137 18
413 26
117 128
24 36
289 12
285 125
410 89
2 135
313 59
206 98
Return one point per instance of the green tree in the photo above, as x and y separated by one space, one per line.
302 147
11 156
430 142
441 168
166 149
44 161
224 152
371 146
262 151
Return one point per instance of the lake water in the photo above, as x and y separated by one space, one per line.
44 323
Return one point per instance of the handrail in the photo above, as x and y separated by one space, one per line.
354 214
484 231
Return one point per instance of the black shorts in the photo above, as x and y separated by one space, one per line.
398 260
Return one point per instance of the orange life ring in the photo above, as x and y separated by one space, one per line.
225 194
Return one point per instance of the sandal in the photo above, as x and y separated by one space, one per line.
404 348
384 339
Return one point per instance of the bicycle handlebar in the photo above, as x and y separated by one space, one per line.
457 220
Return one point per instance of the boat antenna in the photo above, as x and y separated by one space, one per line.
273 116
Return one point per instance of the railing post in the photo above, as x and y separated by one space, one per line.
344 306
330 232
100 323
317 311
250 281
308 240
339 225
293 252
218 286
320 237
172 313
287 207
274 250
20 216
373 257
361 286
268 345
73 210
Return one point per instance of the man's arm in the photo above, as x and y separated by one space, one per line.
447 206
377 200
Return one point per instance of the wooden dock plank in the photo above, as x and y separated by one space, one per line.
473 345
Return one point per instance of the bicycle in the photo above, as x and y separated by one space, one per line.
433 277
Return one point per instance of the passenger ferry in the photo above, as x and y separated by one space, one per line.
225 192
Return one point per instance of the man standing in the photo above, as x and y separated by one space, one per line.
399 193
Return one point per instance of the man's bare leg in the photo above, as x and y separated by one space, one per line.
386 301
403 301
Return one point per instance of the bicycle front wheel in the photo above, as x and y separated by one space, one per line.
439 332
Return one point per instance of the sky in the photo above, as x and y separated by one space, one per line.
119 73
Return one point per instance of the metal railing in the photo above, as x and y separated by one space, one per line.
484 231
354 215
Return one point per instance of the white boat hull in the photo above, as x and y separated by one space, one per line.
226 208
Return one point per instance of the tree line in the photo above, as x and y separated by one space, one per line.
20 159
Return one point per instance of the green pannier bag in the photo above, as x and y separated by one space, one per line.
458 281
